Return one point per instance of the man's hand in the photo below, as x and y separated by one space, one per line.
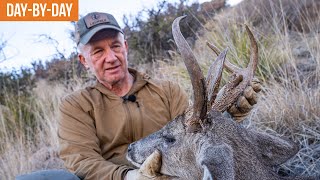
148 170
240 109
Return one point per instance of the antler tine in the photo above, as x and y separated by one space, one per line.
228 65
239 80
214 77
195 73
254 51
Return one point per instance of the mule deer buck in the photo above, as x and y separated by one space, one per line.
206 144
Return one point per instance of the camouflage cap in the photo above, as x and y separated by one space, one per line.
91 23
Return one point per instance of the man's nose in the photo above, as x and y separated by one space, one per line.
110 57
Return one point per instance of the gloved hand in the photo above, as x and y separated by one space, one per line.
240 109
148 170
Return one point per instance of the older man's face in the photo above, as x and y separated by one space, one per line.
107 59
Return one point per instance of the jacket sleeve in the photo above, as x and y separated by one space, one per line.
79 145
178 99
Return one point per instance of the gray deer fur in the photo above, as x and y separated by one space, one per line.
212 146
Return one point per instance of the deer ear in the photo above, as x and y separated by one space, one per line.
216 161
275 150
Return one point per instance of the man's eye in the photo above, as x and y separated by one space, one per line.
116 46
97 51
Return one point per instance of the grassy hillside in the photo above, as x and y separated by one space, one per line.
288 34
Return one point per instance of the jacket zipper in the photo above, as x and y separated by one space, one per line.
130 129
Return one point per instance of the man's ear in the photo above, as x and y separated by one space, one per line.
83 61
216 161
126 45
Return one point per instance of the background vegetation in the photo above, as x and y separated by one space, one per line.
288 34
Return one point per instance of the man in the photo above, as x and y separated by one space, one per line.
99 122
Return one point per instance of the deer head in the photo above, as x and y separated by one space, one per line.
206 144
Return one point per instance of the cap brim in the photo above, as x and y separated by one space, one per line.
86 38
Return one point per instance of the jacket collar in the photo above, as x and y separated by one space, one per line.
140 80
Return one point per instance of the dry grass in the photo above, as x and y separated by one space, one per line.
289 50
33 148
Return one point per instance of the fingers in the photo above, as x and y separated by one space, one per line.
240 109
256 84
152 165
250 95
243 105
237 79
233 110
236 114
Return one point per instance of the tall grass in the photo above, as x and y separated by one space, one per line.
29 130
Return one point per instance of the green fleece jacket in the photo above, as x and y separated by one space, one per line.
96 126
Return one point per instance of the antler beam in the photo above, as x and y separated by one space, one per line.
194 70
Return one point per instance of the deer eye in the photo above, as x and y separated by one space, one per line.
169 139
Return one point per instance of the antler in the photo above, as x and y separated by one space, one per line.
197 79
214 77
196 76
230 67
240 78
